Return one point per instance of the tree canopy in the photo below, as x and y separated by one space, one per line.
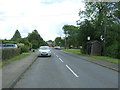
35 39
99 21
16 36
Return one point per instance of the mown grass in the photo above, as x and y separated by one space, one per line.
21 56
0 64
30 52
105 58
109 59
76 51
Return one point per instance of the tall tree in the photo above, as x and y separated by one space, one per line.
59 41
35 39
71 33
24 41
86 30
16 36
105 19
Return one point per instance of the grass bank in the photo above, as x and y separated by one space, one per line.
105 58
76 51
21 56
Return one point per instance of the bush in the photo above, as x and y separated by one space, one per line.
8 53
8 42
24 48
118 51
112 50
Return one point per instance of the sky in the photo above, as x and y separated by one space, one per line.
46 16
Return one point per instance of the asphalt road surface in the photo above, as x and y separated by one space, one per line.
64 71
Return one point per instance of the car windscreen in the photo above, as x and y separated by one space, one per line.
8 45
44 48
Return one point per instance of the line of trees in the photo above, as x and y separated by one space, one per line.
101 22
33 40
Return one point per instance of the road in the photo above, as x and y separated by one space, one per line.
65 71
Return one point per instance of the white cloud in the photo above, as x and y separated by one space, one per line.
47 16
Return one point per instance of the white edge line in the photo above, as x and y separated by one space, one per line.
61 60
57 55
71 70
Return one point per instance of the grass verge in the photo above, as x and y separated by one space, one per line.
105 58
0 64
76 51
21 56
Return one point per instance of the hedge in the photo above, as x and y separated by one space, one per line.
8 53
113 50
24 48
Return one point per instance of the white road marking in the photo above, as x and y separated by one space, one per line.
61 60
71 70
57 55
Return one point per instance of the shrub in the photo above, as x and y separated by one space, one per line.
8 42
8 53
24 48
112 50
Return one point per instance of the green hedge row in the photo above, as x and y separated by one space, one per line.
8 53
113 50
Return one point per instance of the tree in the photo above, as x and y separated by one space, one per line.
104 18
59 41
16 36
25 41
71 33
86 30
35 39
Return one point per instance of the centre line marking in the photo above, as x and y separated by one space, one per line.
71 70
61 60
57 55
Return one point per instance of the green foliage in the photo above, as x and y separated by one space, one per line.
35 44
105 58
24 48
16 36
112 50
59 41
101 23
35 39
71 33
20 45
24 41
8 53
76 51
101 19
8 42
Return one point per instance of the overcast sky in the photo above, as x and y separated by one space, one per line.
46 16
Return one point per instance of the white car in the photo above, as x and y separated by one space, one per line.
44 51
57 47
9 46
